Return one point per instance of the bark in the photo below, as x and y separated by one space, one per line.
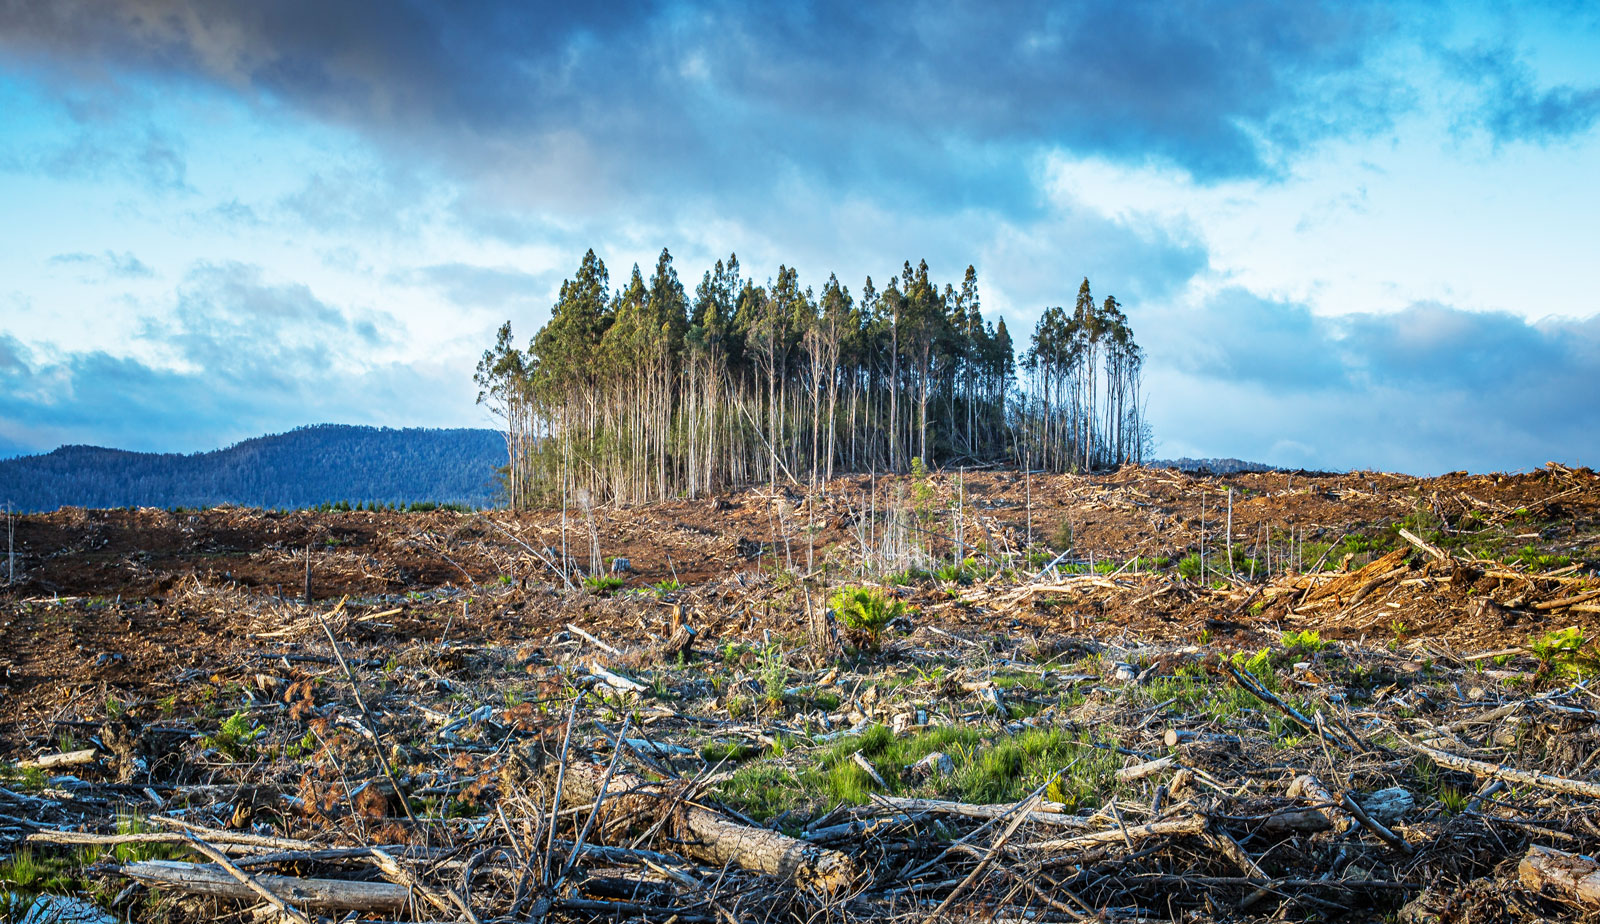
632 802
1566 875
210 879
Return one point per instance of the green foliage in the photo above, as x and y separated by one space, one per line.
963 572
665 587
774 674
602 585
1061 539
1533 559
1566 653
235 737
866 611
1304 642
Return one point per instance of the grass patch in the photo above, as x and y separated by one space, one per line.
988 769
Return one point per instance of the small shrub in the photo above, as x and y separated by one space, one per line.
235 737
1566 653
866 612
602 585
670 585
1307 642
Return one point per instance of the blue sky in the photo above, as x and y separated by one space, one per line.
1348 235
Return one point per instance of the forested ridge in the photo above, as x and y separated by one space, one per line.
648 392
313 465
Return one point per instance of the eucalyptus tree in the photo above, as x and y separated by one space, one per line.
642 394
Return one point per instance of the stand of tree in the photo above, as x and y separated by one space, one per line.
647 392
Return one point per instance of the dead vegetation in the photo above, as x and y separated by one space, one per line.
884 702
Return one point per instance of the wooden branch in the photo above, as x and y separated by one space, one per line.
248 881
1311 789
67 759
1172 827
972 810
1569 876
1148 768
592 640
1417 541
1509 774
632 801
210 879
1372 824
616 680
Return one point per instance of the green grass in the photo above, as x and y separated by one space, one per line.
988 769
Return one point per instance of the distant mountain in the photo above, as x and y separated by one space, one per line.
301 468
1214 466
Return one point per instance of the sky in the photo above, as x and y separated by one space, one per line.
1348 235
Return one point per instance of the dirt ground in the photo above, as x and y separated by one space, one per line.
1098 595
124 600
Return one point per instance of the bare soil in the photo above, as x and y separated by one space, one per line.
168 622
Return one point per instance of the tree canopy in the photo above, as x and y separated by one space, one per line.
643 393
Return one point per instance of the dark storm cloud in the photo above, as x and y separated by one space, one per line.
1513 107
934 99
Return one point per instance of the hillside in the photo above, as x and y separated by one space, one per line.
304 467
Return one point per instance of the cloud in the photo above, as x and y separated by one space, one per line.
1511 106
1427 389
248 356
575 104
229 320
149 156
484 286
107 265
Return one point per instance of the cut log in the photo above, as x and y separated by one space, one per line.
1177 736
1148 768
1570 876
211 879
632 802
1172 827
1044 816
66 759
1311 789
1510 775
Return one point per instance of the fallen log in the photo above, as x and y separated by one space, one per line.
1340 585
1509 774
1044 816
211 879
1148 768
1311 789
1570 876
67 759
1172 827
633 802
